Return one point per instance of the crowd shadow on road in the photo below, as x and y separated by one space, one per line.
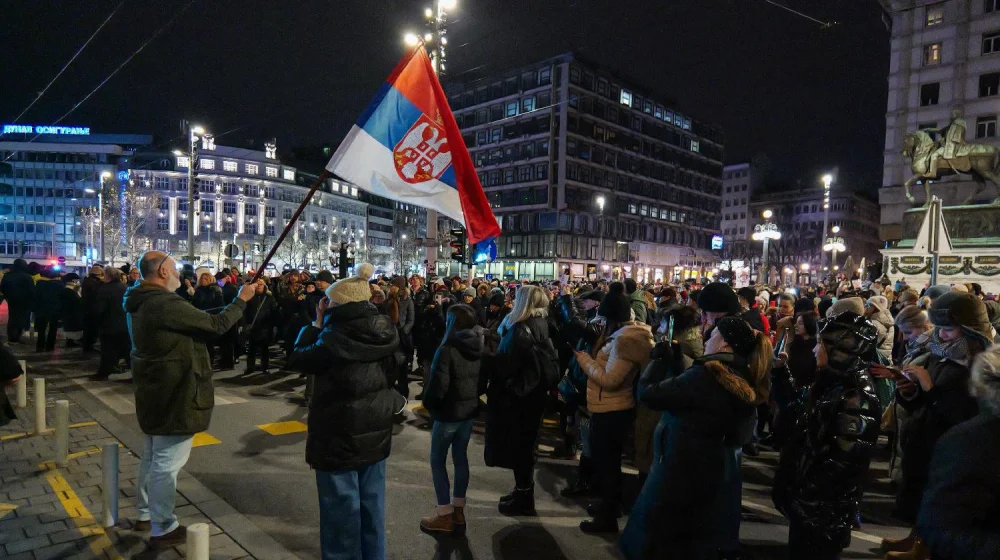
450 547
257 443
526 541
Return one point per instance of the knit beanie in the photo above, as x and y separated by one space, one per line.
615 306
353 289
855 305
471 292
718 297
398 281
804 305
498 299
961 309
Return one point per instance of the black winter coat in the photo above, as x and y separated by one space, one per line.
753 318
819 479
704 407
110 313
259 317
960 514
351 412
89 287
18 288
430 326
208 298
72 310
10 369
516 397
931 414
48 295
452 393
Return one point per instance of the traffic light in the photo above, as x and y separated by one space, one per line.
458 245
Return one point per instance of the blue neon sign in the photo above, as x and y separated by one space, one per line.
46 129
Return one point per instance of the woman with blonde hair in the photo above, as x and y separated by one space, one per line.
517 394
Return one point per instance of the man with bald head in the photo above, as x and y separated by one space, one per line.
172 376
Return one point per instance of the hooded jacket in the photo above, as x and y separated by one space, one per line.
637 301
615 366
883 321
171 370
452 393
351 411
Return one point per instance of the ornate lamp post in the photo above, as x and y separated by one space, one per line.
765 232
833 244
600 230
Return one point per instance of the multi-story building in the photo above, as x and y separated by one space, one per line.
945 55
383 249
554 140
50 178
246 197
799 215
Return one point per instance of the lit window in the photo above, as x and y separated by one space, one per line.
626 98
991 42
271 171
207 163
335 187
183 161
252 169
935 14
932 53
695 146
229 166
354 191
288 175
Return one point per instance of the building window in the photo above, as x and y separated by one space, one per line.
932 54
511 109
229 166
183 161
271 171
288 175
207 206
991 41
269 211
934 15
989 84
626 97
986 127
990 6
229 207
929 94
207 163
286 213
528 104
695 146
252 169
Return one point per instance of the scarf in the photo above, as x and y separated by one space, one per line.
916 351
956 350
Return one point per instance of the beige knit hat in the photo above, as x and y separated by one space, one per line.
353 289
855 304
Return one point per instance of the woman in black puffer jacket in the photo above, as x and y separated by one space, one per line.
452 398
349 350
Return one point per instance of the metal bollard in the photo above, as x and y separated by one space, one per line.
197 542
109 491
39 405
62 433
22 386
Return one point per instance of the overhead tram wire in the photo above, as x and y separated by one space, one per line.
823 24
116 70
65 66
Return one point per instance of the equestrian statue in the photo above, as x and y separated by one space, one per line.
950 155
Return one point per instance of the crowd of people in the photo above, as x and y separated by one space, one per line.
679 380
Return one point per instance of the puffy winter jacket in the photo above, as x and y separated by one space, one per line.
617 363
350 415
452 393
823 465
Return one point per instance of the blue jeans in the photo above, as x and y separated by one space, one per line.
352 513
162 458
455 435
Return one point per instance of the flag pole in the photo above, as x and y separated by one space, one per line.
291 223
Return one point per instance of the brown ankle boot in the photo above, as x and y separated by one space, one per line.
458 518
918 552
438 523
898 545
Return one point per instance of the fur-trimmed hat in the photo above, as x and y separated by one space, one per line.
964 310
353 289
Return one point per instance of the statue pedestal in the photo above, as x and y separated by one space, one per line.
967 241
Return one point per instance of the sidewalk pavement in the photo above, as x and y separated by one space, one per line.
48 512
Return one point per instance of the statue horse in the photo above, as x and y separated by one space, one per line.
927 163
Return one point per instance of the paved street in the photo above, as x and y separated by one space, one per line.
253 459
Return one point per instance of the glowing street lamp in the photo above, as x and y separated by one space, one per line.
833 244
765 232
600 229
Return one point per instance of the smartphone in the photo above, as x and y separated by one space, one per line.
670 330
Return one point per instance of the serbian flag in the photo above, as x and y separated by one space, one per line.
407 147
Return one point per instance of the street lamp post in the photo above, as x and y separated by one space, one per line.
827 182
765 232
100 210
833 244
600 232
194 134
402 266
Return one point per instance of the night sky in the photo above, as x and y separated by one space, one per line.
302 70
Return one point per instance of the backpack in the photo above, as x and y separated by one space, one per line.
547 359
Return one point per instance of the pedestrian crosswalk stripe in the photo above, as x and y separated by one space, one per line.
282 428
202 439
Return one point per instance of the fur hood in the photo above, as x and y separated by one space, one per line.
731 381
635 340
985 380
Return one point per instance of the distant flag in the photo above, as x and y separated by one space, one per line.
407 147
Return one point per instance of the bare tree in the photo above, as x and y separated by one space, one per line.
128 224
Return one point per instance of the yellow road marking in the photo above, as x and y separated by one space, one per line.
46 432
82 424
282 428
77 455
202 439
100 545
5 509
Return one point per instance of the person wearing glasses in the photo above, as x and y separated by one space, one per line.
172 377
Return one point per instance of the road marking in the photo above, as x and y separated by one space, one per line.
5 509
82 424
282 428
120 397
77 455
202 439
20 435
101 545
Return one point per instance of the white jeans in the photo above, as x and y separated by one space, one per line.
162 458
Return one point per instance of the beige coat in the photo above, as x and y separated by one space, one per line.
612 372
